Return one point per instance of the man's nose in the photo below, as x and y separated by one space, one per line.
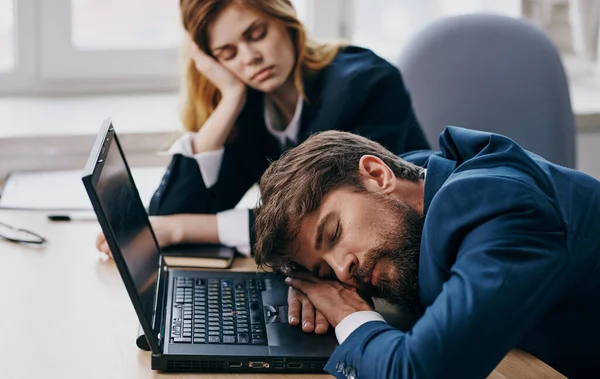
344 265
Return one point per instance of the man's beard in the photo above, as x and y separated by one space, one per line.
400 247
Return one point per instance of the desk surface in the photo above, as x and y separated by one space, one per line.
66 314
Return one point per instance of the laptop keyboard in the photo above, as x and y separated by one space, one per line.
218 311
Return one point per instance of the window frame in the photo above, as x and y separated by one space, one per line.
22 77
62 62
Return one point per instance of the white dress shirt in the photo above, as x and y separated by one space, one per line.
233 225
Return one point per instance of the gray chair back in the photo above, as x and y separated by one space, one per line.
491 73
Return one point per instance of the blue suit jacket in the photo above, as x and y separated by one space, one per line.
510 258
357 92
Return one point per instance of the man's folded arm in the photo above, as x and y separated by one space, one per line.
507 274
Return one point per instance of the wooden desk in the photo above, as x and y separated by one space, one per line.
66 314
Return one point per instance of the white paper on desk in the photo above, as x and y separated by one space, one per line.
64 190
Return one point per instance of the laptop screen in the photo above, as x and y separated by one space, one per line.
128 221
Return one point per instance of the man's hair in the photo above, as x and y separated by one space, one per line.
294 186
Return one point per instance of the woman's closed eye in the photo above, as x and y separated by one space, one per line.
227 53
258 32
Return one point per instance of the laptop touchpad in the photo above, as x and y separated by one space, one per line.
291 339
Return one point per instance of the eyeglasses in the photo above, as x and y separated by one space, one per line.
12 234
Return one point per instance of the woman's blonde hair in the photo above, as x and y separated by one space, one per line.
200 96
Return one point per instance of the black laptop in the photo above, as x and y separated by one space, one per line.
194 319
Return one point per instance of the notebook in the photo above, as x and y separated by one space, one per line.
192 255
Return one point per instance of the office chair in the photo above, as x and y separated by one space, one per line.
491 73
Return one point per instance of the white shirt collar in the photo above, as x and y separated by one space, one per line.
293 128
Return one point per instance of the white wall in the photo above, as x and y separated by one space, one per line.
588 153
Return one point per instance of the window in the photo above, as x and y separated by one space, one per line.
78 46
302 9
156 27
133 42
81 46
386 26
7 36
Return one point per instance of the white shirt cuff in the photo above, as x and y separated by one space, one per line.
209 161
353 321
210 165
233 229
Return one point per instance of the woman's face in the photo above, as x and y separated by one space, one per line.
256 49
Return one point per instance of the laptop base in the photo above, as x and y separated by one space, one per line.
242 364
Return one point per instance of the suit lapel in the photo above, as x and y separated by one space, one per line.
310 109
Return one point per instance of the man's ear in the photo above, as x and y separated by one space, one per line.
376 175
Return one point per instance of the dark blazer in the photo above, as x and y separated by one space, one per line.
357 92
510 258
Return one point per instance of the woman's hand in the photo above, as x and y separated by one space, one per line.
176 229
219 76
165 229
217 128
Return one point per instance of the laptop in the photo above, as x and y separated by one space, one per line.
196 320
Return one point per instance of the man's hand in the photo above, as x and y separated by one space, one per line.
312 319
330 297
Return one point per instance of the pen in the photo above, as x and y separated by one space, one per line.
72 217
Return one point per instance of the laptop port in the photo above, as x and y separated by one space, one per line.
256 364
236 364
294 365
278 365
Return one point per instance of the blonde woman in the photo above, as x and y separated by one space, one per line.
257 85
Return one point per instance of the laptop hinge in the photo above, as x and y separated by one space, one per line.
160 299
